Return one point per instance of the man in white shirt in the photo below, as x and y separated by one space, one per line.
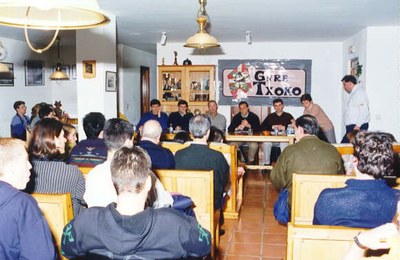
217 120
356 112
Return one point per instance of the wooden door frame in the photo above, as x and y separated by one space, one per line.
144 89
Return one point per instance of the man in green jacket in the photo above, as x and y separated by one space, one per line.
307 155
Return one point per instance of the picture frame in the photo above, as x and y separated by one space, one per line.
89 69
111 81
73 71
34 73
353 66
7 78
65 69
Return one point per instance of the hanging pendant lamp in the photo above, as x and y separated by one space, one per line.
58 74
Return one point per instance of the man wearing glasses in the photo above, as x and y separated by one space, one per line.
179 120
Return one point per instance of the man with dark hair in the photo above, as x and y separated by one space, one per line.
278 121
217 120
308 155
244 121
20 121
356 112
154 114
366 201
126 230
179 120
91 151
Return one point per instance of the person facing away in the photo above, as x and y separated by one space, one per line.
91 151
179 120
161 158
366 201
278 120
70 135
100 190
308 155
20 121
154 114
325 124
217 120
356 111
25 233
198 156
243 121
126 229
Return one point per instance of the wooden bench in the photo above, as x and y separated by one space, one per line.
85 170
309 242
57 210
199 185
234 202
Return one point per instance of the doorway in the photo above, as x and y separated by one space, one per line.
144 89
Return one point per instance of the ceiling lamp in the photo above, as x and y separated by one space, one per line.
58 74
201 39
51 15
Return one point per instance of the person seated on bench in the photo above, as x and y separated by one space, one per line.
367 201
125 229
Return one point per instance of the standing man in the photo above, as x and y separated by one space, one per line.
325 124
243 121
217 120
180 119
20 121
154 114
356 112
278 120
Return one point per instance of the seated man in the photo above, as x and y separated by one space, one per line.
308 155
154 114
217 120
126 229
161 158
366 201
278 120
243 121
91 151
99 187
25 233
20 121
179 120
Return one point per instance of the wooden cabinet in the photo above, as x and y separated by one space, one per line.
193 83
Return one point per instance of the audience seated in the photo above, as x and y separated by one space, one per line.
24 231
52 175
91 151
71 136
366 201
125 230
20 121
182 137
308 155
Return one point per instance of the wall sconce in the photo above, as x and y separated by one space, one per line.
248 37
163 40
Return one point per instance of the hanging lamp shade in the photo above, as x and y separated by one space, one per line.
58 74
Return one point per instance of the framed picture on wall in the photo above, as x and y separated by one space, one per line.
34 73
89 69
111 81
7 78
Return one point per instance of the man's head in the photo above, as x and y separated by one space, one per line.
152 131
373 152
306 100
20 107
130 170
244 108
306 125
349 81
14 163
117 133
155 105
93 124
199 126
212 107
46 111
278 105
182 106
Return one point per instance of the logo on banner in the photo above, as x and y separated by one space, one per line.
239 81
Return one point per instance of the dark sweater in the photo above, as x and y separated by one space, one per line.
177 119
252 118
161 158
274 119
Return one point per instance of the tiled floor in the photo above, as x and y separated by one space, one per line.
256 234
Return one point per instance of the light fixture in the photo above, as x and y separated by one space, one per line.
201 39
248 37
58 74
51 15
163 40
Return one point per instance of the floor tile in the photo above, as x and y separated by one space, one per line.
245 249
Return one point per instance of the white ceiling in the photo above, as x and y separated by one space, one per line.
140 23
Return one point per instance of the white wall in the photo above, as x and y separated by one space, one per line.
326 59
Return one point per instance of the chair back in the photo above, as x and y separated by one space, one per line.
174 146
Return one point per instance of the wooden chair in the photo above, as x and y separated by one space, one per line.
57 210
85 170
199 185
174 146
305 191
309 242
